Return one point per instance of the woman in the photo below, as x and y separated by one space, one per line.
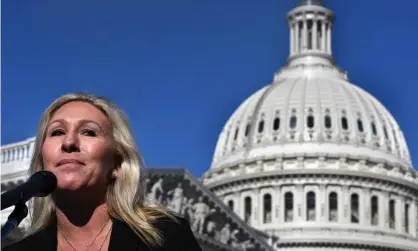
99 201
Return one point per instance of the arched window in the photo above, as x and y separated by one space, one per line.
354 204
267 208
375 211
344 123
310 121
231 205
310 206
327 121
392 219
247 209
247 129
374 130
236 134
360 125
276 124
293 122
385 131
333 207
261 126
288 207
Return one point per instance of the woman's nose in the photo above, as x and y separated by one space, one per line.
70 143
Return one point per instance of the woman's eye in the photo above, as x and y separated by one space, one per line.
57 133
89 133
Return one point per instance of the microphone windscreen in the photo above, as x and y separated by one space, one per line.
46 180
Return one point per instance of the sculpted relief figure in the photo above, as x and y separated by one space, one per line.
201 211
244 245
199 214
225 234
176 201
157 191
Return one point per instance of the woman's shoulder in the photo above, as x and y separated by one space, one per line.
26 243
176 233
169 223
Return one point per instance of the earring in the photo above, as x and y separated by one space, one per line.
113 175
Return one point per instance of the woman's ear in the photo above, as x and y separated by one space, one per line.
115 173
118 165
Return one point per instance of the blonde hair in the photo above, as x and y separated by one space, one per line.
125 197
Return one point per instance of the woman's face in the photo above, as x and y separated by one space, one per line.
78 147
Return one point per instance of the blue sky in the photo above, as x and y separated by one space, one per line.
180 68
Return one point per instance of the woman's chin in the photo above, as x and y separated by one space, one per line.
69 185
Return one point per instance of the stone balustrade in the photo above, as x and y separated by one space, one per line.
17 152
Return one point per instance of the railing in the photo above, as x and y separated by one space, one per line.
17 151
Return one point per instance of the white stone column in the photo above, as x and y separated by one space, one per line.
400 205
345 216
329 38
292 38
241 208
323 35
314 34
297 37
413 219
276 208
237 202
341 205
367 207
361 209
260 202
31 149
305 35
299 205
257 207
323 204
383 205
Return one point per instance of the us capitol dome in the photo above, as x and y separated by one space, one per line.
314 159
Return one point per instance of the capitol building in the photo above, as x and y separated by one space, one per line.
308 162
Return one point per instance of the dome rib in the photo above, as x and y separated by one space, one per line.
378 120
334 110
318 113
286 109
390 128
365 120
348 113
372 118
255 118
302 110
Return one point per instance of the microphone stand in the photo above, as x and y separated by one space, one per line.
19 213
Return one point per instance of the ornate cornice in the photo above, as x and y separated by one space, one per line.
359 169
295 177
178 190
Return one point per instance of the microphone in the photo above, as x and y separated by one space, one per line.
40 184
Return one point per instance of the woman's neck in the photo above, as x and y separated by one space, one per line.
81 219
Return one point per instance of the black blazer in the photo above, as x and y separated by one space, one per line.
176 236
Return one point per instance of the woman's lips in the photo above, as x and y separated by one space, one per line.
69 163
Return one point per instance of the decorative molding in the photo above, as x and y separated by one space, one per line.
178 190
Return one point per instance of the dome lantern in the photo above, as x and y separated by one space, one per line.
310 25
